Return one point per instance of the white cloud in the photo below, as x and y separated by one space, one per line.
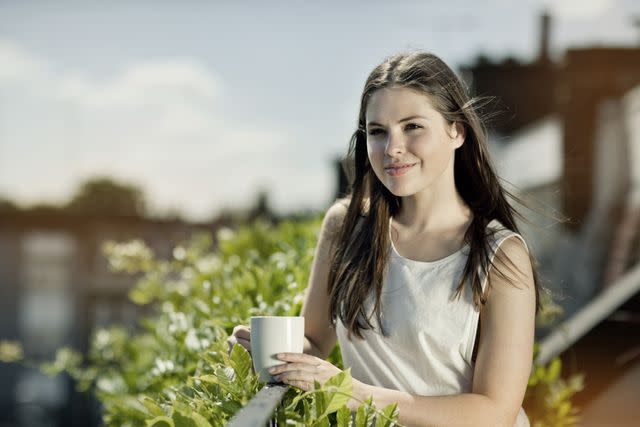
18 65
159 124
141 85
579 9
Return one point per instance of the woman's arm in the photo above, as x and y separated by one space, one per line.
504 357
320 336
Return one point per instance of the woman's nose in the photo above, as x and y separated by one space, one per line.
395 144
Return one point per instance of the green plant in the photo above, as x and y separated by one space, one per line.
174 369
548 396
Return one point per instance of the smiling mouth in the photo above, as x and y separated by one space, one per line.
396 171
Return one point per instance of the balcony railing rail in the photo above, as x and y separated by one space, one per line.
260 409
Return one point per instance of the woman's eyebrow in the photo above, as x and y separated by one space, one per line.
372 123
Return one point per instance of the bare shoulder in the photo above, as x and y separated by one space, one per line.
334 217
513 249
512 265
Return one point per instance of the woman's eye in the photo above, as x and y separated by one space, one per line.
412 126
375 131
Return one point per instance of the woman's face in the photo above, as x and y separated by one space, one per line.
410 144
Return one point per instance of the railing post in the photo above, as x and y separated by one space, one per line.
260 408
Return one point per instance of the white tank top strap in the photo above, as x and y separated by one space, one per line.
497 234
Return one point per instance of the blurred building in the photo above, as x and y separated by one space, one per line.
573 89
522 93
55 288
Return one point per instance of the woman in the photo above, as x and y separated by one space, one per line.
420 273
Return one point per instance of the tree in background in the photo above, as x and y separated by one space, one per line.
261 209
101 195
7 205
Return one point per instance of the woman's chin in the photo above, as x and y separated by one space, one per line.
399 190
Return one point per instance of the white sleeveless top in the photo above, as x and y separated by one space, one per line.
431 333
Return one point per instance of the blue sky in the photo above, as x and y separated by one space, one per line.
203 103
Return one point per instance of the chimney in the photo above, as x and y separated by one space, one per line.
545 28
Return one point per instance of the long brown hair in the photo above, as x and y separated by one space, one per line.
361 247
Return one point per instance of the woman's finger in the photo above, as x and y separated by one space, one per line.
242 331
298 378
231 341
241 335
299 357
245 343
303 385
293 367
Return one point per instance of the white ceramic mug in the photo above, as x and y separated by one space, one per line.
271 335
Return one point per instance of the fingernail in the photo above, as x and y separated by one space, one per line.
272 370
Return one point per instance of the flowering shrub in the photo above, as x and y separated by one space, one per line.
176 371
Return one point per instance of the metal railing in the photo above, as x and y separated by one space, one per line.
594 312
260 409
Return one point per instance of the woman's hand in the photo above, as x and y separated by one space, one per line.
241 335
302 370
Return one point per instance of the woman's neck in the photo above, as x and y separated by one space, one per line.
430 212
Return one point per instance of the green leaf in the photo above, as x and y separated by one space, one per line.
533 379
162 421
241 362
338 388
129 406
224 379
389 415
576 382
200 420
306 411
320 399
151 406
140 296
67 360
553 371
322 422
360 417
564 409
301 397
230 406
344 417
192 419
365 414
11 351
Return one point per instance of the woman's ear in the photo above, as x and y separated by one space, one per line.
457 134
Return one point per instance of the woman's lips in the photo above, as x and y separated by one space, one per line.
393 171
